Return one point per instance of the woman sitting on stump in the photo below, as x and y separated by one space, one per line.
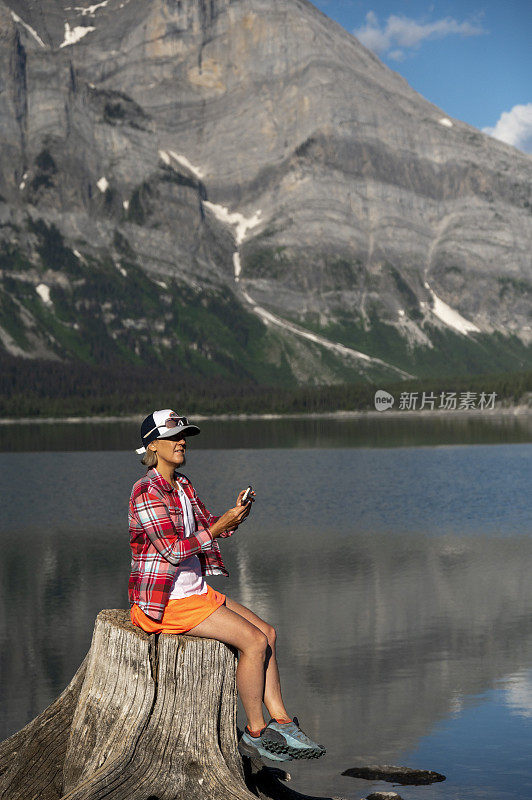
173 545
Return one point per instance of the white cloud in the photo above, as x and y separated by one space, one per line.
514 127
397 55
400 33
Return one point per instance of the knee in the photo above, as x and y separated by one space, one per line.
257 642
271 635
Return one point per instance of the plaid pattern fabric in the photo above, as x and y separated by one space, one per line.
158 542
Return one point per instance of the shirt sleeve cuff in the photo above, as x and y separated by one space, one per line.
205 539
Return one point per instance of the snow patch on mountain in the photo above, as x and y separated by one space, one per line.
235 219
102 184
44 293
73 35
183 160
237 265
80 256
167 155
449 316
28 28
446 122
90 9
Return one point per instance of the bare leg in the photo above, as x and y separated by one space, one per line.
231 628
272 685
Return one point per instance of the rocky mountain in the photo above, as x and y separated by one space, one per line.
239 187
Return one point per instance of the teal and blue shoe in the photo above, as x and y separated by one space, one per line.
294 743
253 745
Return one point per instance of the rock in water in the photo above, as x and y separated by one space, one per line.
384 796
393 774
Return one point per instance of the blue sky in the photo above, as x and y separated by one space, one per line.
473 59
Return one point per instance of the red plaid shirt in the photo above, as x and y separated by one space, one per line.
158 542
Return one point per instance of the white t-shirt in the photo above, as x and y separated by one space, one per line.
189 577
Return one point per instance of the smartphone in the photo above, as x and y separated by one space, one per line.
246 495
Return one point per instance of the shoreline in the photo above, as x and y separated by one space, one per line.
504 411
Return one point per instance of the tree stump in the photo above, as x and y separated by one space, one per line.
144 718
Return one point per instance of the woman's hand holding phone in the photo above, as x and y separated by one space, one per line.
232 518
246 496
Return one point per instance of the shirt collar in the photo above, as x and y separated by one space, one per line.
163 484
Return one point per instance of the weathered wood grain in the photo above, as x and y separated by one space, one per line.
115 701
156 718
31 761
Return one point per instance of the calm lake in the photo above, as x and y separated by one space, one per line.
394 557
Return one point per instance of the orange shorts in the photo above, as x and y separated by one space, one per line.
180 615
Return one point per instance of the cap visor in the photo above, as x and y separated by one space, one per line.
186 430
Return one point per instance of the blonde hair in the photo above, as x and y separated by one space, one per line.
149 459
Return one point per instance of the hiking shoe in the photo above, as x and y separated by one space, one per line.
295 743
253 745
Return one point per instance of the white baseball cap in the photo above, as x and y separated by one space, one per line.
162 424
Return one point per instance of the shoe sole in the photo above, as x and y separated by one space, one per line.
249 750
293 752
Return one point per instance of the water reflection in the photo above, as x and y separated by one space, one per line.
518 693
398 581
380 430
